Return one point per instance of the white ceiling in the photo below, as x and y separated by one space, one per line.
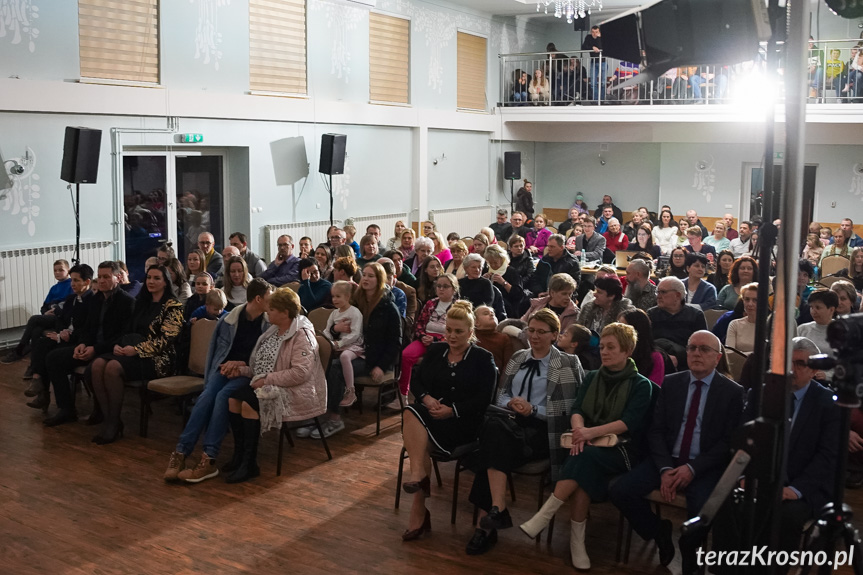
517 7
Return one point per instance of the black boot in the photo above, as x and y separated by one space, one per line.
236 421
42 401
248 468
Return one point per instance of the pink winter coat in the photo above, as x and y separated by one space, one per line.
298 373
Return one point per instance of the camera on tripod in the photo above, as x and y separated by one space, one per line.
845 335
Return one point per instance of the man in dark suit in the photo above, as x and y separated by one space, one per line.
108 314
695 415
812 456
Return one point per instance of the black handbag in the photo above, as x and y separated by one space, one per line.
510 424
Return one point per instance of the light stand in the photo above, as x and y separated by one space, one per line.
77 258
331 199
511 198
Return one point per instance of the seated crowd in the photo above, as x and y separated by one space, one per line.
538 344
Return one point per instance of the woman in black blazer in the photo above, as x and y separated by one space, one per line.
453 387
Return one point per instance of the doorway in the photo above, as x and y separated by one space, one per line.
753 179
170 197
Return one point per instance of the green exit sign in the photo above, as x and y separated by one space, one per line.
191 138
780 156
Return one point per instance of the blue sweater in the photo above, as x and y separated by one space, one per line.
58 292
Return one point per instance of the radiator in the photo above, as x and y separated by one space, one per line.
27 274
464 221
318 230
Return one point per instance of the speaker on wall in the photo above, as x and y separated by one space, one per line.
81 155
581 24
512 165
333 154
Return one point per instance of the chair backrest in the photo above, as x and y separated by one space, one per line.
829 281
711 316
325 352
832 264
735 359
319 317
202 333
293 285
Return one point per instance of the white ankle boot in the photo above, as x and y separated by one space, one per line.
540 521
580 560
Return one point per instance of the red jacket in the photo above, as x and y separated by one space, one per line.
621 242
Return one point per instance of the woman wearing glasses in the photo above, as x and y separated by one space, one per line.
430 326
613 402
538 390
453 387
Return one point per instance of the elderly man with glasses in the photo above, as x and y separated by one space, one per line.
214 262
674 321
689 440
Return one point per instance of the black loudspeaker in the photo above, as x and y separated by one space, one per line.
581 24
333 154
512 165
81 155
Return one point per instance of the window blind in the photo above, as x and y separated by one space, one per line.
277 46
389 59
471 72
119 39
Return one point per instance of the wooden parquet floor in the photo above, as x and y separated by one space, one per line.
68 506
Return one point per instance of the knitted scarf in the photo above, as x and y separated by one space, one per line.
605 400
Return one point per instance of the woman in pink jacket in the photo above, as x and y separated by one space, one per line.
537 238
288 382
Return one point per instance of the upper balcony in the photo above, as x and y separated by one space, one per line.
581 86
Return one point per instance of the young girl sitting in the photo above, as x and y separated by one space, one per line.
349 343
813 250
214 308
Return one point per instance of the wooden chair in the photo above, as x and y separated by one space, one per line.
711 316
736 359
319 317
654 497
389 382
832 264
325 352
183 387
294 286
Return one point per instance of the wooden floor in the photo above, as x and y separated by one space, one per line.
70 506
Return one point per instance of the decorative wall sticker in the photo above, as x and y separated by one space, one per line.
21 198
18 18
857 180
704 179
341 20
207 34
342 185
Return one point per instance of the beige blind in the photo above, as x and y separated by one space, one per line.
389 58
277 46
471 72
119 39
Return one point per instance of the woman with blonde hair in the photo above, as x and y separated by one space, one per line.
441 247
406 245
612 407
458 249
539 89
507 279
452 386
287 380
718 239
480 242
394 242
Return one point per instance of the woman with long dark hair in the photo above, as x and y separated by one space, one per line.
146 352
649 361
665 232
643 242
677 264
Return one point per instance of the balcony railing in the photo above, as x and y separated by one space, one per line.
585 78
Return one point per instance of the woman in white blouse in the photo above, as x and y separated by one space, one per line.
741 332
665 232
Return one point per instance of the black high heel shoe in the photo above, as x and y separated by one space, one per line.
101 439
412 534
423 484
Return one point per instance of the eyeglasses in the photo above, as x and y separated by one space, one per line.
799 364
205 243
333 238
701 348
532 331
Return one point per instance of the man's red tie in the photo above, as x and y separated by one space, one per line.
686 443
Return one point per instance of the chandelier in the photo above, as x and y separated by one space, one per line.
570 9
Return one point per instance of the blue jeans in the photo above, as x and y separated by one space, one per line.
210 411
519 97
696 81
597 72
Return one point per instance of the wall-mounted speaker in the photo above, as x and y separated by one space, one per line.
81 155
512 165
333 154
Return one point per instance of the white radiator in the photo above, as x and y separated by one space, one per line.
318 230
27 274
466 222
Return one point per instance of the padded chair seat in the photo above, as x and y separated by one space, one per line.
537 467
177 385
656 497
367 380
80 370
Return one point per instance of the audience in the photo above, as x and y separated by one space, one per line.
314 291
673 320
254 263
236 281
213 261
284 268
505 279
605 307
665 232
590 245
744 270
537 238
741 332
699 291
559 300
640 291
473 287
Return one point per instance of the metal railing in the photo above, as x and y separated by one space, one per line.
582 77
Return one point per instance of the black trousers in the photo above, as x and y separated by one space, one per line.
42 346
501 450
61 364
35 326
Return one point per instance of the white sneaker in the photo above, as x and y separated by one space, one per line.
330 427
304 432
